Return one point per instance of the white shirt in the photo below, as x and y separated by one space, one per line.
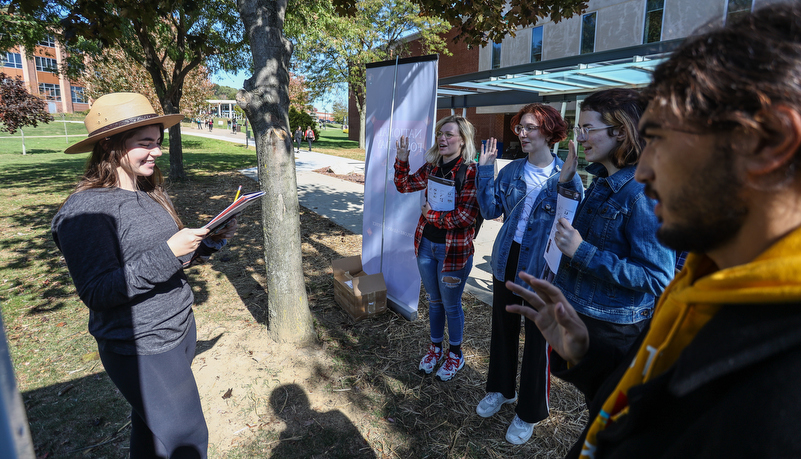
535 177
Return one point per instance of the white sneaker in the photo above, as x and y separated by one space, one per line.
519 431
453 363
492 403
431 359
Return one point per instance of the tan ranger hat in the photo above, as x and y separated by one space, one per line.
118 112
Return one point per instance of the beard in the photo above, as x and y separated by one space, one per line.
708 209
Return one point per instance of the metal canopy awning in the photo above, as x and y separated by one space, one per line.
555 80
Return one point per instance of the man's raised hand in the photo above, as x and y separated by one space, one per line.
554 316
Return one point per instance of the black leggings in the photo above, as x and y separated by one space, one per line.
535 382
166 417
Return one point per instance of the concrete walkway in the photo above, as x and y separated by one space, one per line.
342 202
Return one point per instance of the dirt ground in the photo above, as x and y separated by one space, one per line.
355 392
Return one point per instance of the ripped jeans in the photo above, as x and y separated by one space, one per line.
444 291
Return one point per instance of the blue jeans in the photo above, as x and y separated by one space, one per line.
444 292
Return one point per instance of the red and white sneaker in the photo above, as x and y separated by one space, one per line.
431 359
453 363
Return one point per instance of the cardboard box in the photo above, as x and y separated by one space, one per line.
361 295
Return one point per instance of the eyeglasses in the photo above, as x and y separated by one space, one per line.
584 131
519 129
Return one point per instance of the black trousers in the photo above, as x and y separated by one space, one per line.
166 417
535 381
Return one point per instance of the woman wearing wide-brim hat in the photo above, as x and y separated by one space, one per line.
126 248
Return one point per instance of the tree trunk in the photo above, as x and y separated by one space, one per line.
362 128
361 108
265 100
176 149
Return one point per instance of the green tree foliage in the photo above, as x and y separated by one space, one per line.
480 22
334 49
340 111
224 92
185 33
22 29
18 107
116 72
301 119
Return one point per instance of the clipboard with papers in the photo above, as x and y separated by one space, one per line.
233 210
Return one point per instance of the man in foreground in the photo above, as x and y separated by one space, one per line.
717 373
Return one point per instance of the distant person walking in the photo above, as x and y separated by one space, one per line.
309 136
298 138
233 125
211 124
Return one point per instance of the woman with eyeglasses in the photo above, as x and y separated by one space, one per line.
443 240
613 266
525 194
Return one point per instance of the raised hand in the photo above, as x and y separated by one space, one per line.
554 316
489 152
186 241
402 145
571 164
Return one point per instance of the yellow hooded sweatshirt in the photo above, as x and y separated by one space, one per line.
689 302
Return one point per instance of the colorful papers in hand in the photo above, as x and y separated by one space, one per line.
235 208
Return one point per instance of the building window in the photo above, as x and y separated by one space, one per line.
48 40
536 44
77 95
654 12
50 91
588 33
46 64
496 55
13 60
736 9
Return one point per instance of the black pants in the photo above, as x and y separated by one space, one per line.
620 336
166 417
535 381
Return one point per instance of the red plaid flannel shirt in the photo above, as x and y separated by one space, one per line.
458 222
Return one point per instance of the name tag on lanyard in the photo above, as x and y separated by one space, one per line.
441 194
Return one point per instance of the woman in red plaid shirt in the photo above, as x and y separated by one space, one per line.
443 241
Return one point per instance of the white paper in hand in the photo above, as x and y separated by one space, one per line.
566 203
441 194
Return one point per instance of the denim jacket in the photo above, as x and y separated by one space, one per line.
504 195
619 267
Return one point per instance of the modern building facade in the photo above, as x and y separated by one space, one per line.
41 76
614 43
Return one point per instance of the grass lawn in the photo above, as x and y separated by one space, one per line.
335 142
353 393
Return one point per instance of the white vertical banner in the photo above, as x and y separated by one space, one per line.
401 101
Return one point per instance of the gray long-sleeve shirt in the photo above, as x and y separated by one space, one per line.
115 244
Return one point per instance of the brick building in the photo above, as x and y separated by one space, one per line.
41 77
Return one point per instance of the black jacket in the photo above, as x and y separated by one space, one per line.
735 391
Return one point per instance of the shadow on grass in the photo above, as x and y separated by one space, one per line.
69 417
52 175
